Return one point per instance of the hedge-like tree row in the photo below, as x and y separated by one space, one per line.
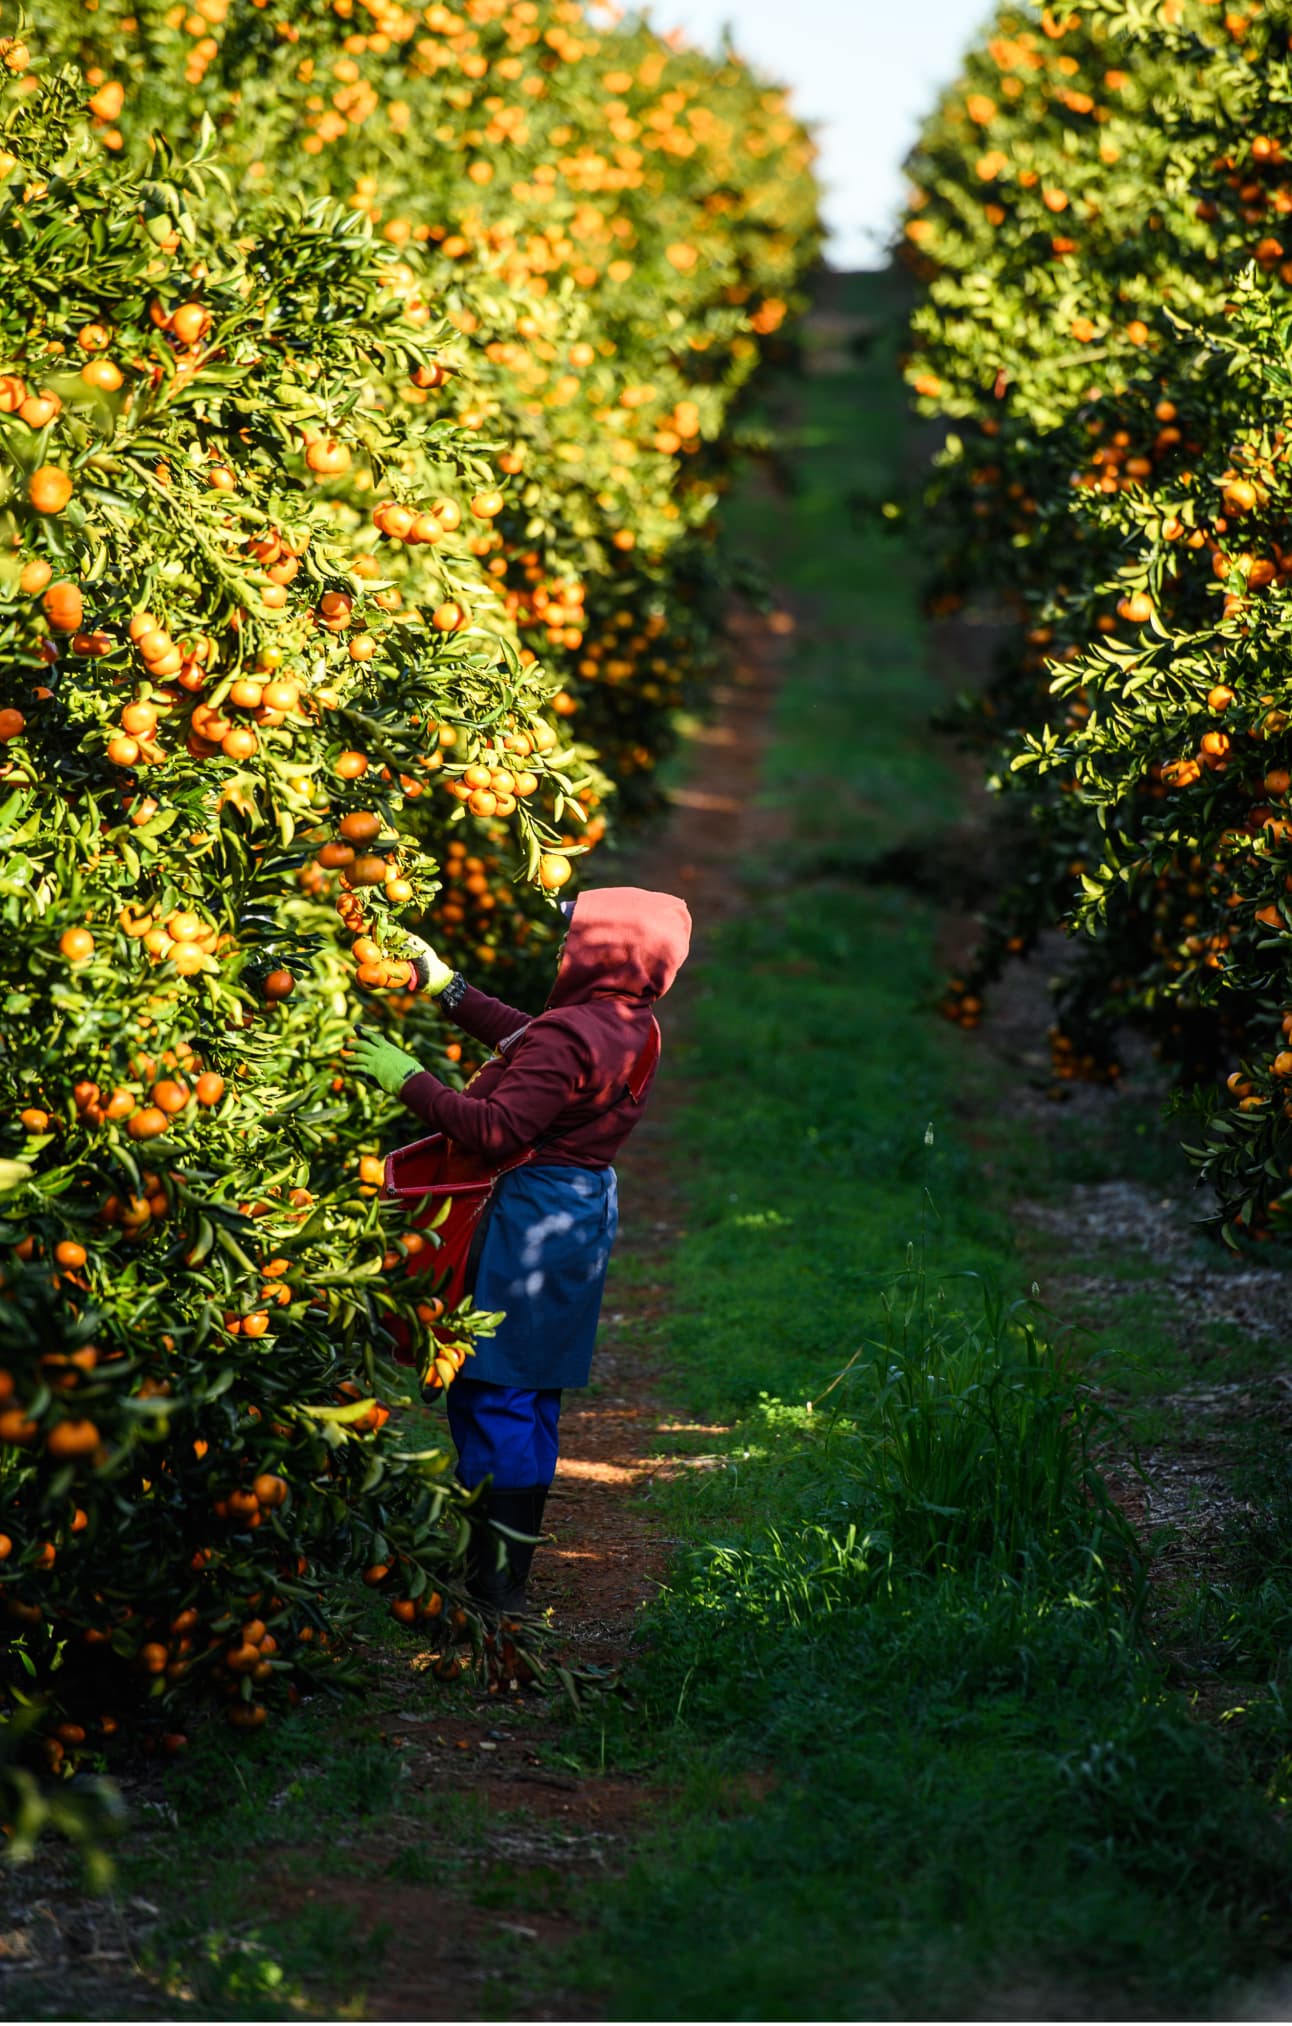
1100 234
369 381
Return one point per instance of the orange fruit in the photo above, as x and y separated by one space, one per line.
327 458
397 521
63 606
49 488
360 826
77 945
107 101
72 1438
190 322
209 1088
1137 608
148 1123
39 409
248 1716
68 1253
11 724
279 985
102 374
553 871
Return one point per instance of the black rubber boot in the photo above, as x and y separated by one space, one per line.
497 1566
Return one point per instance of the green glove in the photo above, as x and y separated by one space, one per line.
433 974
378 1058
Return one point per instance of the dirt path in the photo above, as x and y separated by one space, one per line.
609 1554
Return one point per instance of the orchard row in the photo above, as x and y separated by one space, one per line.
1101 231
369 382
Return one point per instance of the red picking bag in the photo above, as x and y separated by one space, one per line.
457 1188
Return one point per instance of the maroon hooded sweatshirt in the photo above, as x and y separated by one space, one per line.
555 1078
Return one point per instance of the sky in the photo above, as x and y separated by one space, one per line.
865 70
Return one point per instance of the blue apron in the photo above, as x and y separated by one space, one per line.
544 1261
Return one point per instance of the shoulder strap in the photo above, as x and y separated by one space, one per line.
646 1064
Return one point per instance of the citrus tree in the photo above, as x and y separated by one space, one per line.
1097 230
216 713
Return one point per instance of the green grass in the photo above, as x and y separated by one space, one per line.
929 1764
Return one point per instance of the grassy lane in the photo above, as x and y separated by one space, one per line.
905 1625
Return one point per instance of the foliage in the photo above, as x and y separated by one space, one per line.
1097 231
615 227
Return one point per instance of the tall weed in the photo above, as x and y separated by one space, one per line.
969 1440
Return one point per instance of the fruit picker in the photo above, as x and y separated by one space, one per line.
545 1116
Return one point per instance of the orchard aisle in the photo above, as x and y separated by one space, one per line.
849 1772
915 1757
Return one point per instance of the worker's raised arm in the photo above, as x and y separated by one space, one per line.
547 1072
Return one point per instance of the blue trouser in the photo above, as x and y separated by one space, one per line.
507 1433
